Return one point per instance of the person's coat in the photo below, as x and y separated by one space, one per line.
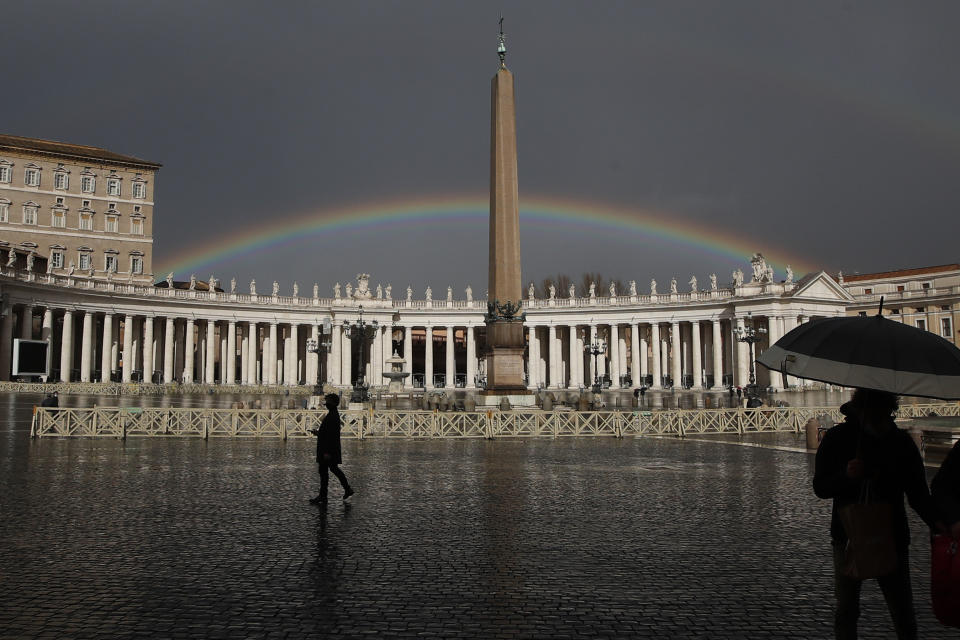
328 438
946 487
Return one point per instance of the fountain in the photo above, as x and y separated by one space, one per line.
396 373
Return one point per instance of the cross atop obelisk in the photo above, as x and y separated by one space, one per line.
505 338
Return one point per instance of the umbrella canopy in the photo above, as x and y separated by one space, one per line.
870 352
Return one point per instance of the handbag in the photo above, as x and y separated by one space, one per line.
945 580
871 551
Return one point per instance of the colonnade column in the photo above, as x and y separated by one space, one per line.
244 357
471 381
66 346
252 353
312 368
26 322
270 355
408 354
347 358
168 342
335 370
614 356
6 345
86 347
231 353
743 355
451 364
127 349
773 334
592 360
428 358
643 355
717 355
148 349
789 324
210 344
293 369
188 338
697 357
676 357
635 380
576 356
46 333
106 354
533 358
553 352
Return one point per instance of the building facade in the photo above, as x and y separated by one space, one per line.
926 297
102 329
80 209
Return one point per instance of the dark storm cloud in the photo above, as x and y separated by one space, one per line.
827 129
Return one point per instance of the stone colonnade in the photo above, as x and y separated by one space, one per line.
100 346
695 354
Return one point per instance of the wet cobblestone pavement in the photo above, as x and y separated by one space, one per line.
585 537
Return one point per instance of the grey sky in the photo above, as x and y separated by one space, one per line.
830 130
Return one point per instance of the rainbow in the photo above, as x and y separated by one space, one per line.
590 216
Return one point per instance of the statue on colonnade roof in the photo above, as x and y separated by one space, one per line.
469 292
653 287
363 286
693 284
713 282
759 265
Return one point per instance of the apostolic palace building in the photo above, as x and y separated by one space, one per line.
76 246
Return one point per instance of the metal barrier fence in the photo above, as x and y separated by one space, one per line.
122 422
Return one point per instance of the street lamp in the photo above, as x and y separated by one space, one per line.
750 335
316 346
596 349
359 333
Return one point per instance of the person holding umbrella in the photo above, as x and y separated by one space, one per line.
867 452
866 465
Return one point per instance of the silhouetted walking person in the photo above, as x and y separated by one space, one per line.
328 450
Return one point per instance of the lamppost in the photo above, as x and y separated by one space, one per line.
596 349
316 346
750 335
359 333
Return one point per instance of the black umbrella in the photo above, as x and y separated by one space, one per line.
870 352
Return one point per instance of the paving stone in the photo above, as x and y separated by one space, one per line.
573 538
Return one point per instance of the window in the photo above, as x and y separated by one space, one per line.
136 226
945 328
921 309
4 212
899 287
139 190
867 291
110 264
895 311
86 222
86 204
925 285
4 173
59 219
113 186
31 177
111 224
136 264
56 259
61 180
84 261
945 307
29 214
59 201
922 324
88 184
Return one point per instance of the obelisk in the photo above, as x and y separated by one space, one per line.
505 340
